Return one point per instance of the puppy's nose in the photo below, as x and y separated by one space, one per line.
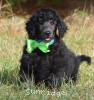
47 33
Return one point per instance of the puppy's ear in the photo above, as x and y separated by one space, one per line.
31 27
61 27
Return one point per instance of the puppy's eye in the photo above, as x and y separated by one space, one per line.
41 21
51 22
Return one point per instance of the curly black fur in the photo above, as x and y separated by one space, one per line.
57 65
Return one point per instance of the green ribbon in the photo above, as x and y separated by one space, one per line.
32 45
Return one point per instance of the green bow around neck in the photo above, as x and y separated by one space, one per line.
32 45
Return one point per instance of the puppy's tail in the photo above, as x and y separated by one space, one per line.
84 58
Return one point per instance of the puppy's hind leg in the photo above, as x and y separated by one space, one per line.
74 74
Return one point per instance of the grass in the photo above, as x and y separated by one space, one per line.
79 38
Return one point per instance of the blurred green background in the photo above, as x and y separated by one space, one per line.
63 6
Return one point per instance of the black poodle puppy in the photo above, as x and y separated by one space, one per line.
54 64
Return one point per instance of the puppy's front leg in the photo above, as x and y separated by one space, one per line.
26 67
56 78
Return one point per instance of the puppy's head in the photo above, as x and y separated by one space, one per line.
45 24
